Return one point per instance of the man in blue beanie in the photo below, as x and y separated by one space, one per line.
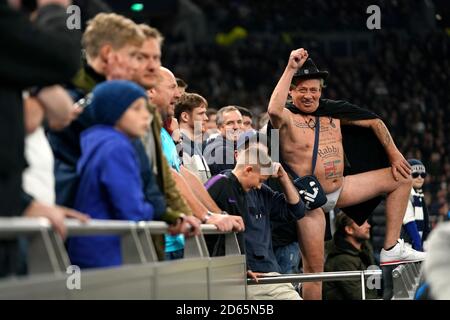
110 185
416 221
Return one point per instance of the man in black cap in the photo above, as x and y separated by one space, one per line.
369 151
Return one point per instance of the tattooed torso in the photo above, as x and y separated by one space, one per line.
296 147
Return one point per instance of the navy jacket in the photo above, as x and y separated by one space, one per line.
110 188
258 208
219 154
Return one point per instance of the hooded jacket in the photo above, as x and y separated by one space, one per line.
110 188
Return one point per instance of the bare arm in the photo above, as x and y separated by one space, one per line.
33 114
277 113
289 190
203 205
397 160
58 105
199 190
199 210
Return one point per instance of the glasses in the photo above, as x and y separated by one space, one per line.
417 174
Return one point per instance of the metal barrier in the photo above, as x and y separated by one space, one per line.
321 276
141 277
405 280
198 276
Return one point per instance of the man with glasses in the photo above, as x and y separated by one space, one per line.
416 221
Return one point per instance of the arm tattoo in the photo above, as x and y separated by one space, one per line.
383 133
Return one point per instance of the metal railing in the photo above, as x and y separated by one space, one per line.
47 253
320 276
142 276
47 256
405 280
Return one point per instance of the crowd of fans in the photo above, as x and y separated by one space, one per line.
402 77
399 72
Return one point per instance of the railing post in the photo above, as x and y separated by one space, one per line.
363 287
60 249
39 246
132 251
146 240
231 244
193 247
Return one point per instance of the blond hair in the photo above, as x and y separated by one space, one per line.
151 33
112 29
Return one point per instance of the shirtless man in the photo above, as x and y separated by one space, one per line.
304 85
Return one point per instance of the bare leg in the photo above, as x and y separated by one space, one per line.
364 186
396 203
311 232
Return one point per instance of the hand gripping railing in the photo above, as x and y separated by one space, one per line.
320 276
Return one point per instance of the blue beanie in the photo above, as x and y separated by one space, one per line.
110 99
416 166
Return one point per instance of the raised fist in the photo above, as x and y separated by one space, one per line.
297 58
